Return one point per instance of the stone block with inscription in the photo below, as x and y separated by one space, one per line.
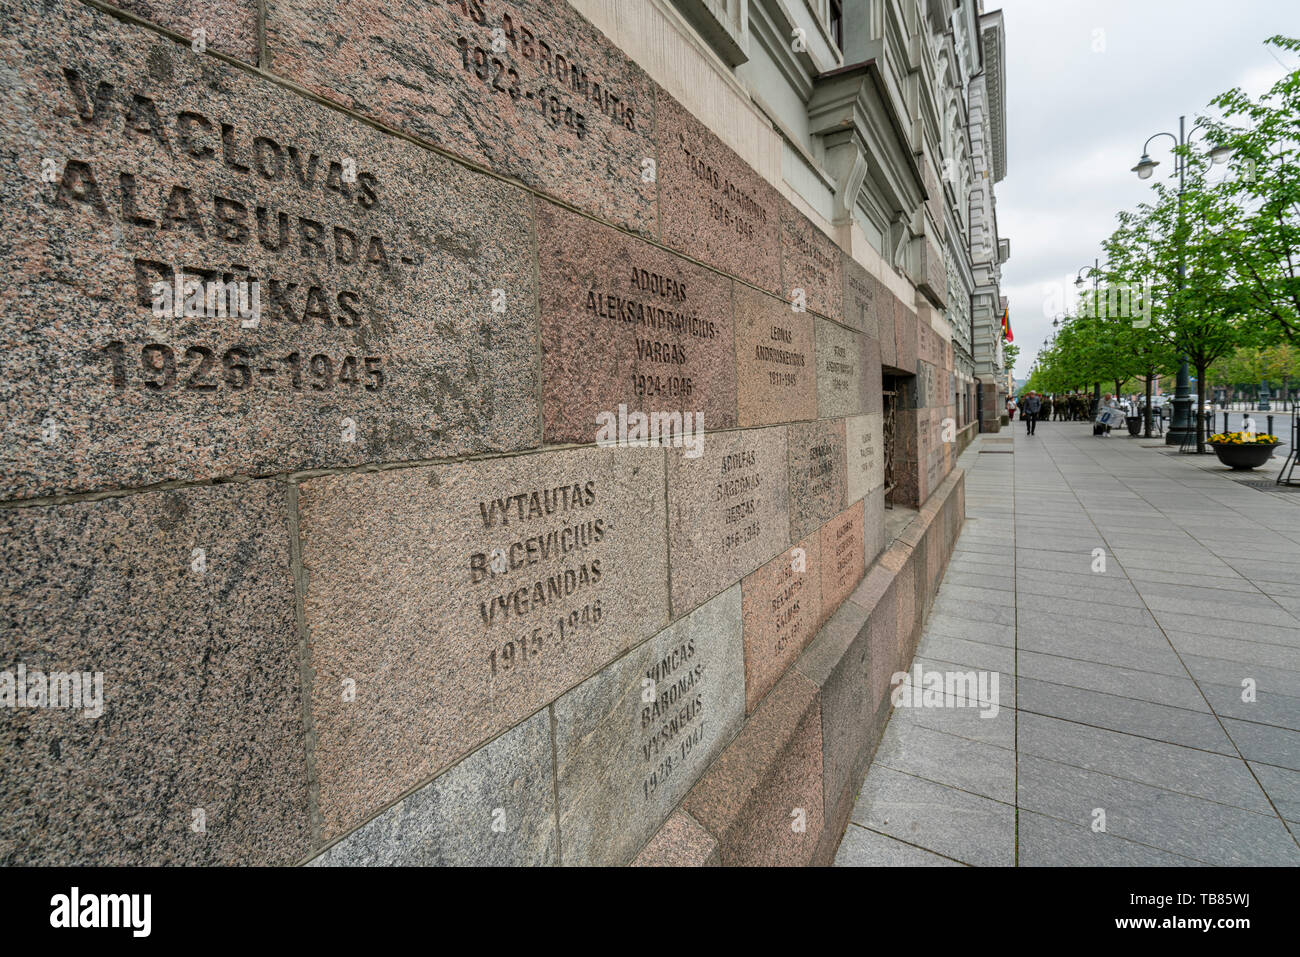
781 603
905 333
810 265
455 600
843 558
887 311
866 454
864 297
183 190
631 740
226 25
528 88
494 809
164 624
818 462
628 328
728 511
712 204
762 799
775 360
844 373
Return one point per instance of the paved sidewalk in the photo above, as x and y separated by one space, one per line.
1120 690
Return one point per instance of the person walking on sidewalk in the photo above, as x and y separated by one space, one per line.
1029 408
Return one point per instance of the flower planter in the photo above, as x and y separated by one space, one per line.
1244 456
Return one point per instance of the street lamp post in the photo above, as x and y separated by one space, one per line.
1146 166
1095 270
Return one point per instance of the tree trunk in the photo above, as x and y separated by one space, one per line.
1147 411
1200 406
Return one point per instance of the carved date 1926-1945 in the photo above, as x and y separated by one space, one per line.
201 369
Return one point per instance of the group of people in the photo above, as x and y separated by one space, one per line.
1074 407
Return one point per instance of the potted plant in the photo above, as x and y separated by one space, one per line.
1243 450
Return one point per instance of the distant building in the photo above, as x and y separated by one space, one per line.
989 250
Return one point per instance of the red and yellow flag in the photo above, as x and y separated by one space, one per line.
1006 325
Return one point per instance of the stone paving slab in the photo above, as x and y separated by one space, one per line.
1123 691
865 848
957 824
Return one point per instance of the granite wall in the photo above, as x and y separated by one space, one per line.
367 571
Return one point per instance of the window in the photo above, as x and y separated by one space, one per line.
837 23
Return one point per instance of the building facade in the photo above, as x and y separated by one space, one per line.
989 249
579 478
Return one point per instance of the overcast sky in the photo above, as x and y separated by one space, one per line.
1087 82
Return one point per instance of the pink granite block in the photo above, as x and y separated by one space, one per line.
728 511
370 325
782 609
227 25
192 750
775 360
810 265
456 600
625 324
843 557
712 205
905 332
681 842
763 798
525 87
818 481
863 300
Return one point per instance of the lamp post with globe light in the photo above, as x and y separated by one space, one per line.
1183 423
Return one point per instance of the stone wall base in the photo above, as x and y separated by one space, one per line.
781 792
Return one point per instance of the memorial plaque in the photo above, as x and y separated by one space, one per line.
162 624
810 264
842 370
494 809
626 328
782 611
818 462
458 599
927 385
728 511
905 329
526 87
712 204
929 345
370 334
864 297
866 454
630 741
887 312
843 558
775 360
227 25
